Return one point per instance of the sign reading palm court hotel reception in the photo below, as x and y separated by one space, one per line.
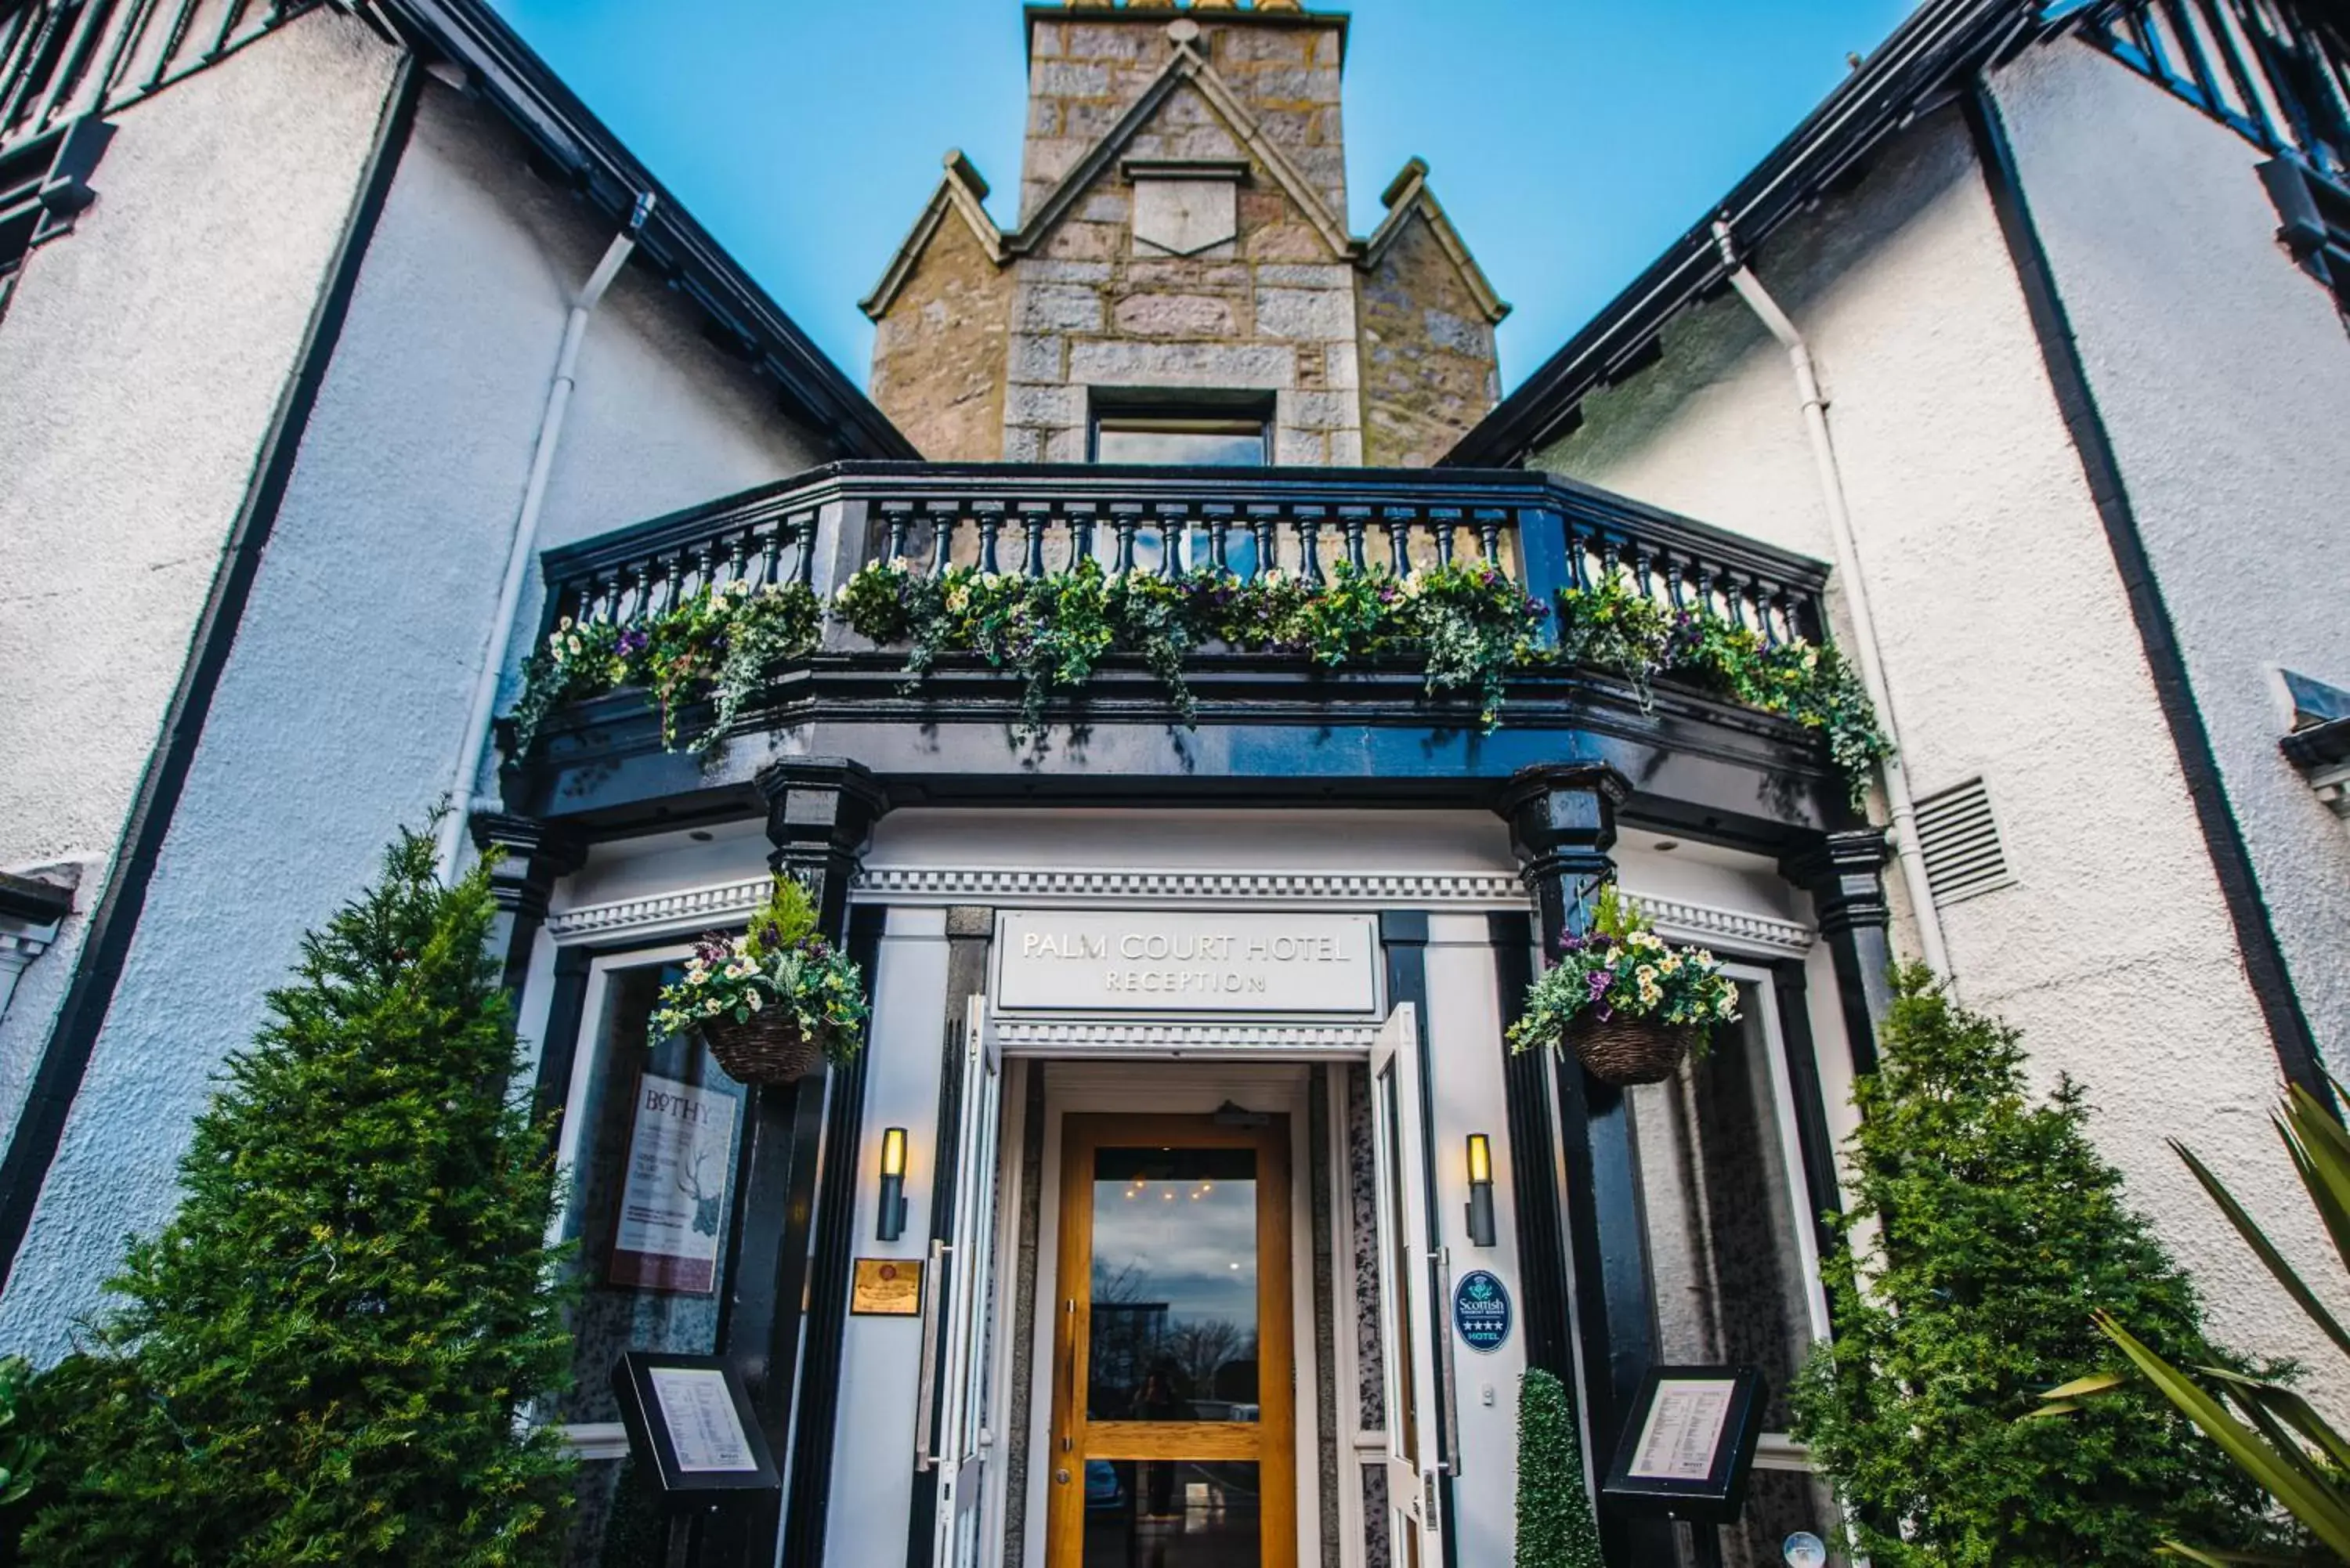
1176 962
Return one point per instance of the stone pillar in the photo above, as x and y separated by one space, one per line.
1844 875
1562 821
819 813
30 914
536 855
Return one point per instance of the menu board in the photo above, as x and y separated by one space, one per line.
672 1206
1683 1430
705 1428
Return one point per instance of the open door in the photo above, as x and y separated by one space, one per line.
1408 1307
965 1267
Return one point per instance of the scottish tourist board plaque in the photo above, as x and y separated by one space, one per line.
1480 1311
1103 961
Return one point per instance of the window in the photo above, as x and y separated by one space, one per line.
1197 431
1733 1258
649 1141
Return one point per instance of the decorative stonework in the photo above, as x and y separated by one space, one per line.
692 910
1047 1036
1183 226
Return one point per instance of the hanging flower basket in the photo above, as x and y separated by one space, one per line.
1632 1005
1627 1051
771 1048
772 1002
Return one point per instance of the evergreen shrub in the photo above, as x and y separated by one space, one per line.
322 1357
1555 1529
1986 1232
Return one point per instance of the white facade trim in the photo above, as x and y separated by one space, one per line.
1078 1037
691 908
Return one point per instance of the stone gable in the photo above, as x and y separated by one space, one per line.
1429 370
938 348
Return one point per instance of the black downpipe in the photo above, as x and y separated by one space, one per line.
114 924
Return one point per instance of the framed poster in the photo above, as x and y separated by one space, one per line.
672 1215
1688 1446
691 1425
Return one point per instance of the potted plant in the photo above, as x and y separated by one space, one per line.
1631 1003
773 1001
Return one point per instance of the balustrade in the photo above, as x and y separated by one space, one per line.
1030 521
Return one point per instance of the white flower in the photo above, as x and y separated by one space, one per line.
752 997
574 645
742 944
563 625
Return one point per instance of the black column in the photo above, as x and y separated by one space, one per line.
1844 875
1561 824
819 812
536 855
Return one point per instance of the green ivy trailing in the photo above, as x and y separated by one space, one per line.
323 1356
1555 1529
721 646
1469 626
2000 1234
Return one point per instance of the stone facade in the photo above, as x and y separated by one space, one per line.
1429 372
1243 107
937 352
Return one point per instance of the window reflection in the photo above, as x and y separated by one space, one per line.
1174 1286
1171 1513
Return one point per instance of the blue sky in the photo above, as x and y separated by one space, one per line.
1570 140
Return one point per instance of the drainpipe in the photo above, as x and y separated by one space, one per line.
1856 594
526 535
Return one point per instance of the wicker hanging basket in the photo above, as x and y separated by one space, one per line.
1628 1050
770 1048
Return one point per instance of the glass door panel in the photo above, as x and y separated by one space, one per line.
1173 1424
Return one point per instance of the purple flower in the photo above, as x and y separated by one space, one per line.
1600 981
633 641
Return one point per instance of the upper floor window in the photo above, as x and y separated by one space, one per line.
1210 429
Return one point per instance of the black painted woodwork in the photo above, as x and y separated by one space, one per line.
1813 1136
106 945
531 857
1535 1180
1403 938
33 902
1844 875
2223 836
819 813
807 1504
1562 822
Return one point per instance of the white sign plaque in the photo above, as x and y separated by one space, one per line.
1103 960
703 1428
1683 1430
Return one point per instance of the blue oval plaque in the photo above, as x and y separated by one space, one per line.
1480 1310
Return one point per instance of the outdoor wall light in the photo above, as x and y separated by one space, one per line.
893 1184
1480 1191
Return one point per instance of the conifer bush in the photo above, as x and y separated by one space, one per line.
1555 1529
322 1357
1999 1231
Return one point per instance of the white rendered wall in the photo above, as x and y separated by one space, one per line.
339 715
2010 651
2222 375
141 359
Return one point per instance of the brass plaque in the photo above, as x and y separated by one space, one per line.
887 1287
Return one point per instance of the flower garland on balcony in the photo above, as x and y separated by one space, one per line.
720 646
1470 626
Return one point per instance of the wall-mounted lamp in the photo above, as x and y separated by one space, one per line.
1480 1191
893 1184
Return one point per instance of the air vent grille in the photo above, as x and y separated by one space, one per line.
1960 840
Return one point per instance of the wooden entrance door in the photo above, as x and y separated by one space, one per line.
1174 1426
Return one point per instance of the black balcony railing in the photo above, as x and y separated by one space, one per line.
821 527
63 58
